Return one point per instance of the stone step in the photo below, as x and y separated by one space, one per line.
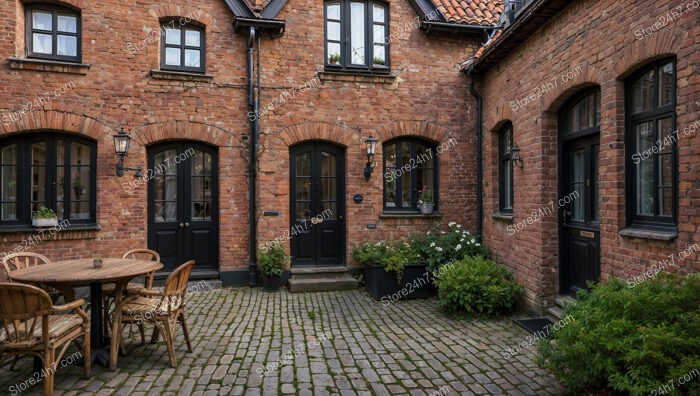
563 301
322 283
319 272
555 313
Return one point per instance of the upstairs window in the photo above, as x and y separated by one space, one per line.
53 32
505 169
182 47
651 152
356 34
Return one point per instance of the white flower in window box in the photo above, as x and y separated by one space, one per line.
44 217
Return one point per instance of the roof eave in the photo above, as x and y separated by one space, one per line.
430 26
275 27
529 20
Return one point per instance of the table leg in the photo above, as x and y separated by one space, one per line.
116 330
98 344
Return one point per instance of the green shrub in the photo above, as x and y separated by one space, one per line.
633 339
440 247
272 259
394 257
476 286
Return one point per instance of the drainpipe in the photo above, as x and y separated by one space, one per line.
479 157
252 168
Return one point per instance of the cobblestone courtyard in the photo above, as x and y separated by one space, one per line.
337 343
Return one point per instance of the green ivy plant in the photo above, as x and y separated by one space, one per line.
630 339
272 260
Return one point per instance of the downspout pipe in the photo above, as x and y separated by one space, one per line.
479 156
252 166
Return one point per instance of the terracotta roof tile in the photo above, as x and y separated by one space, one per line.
471 12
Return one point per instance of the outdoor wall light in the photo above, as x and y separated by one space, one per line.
515 156
121 147
371 143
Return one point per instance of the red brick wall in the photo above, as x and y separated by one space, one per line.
600 40
427 98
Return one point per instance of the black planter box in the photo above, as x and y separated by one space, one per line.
382 285
275 283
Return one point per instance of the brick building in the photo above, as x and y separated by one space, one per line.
195 85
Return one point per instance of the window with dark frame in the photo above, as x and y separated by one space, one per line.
356 33
410 167
53 32
182 47
505 169
53 170
651 147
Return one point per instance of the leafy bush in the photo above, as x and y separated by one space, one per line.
440 247
476 286
272 260
394 257
634 339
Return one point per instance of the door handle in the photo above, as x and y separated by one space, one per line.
187 225
182 225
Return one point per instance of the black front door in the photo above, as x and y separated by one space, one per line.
580 223
183 204
317 204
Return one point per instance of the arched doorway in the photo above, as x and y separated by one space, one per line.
579 221
317 204
183 203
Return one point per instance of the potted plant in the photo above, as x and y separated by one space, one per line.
379 61
425 200
44 217
334 58
272 261
97 263
393 271
78 188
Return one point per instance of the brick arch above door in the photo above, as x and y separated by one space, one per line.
42 120
313 130
661 44
178 130
426 130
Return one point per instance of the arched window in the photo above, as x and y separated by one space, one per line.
410 174
651 152
356 34
53 32
182 46
505 169
47 169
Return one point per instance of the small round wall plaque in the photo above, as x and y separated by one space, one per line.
358 198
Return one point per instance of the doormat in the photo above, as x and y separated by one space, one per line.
536 326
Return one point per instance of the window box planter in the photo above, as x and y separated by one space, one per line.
275 283
45 222
382 284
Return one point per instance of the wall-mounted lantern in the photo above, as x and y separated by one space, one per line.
371 143
515 156
122 140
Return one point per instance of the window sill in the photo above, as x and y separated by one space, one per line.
180 76
35 235
505 217
48 65
360 76
667 236
409 215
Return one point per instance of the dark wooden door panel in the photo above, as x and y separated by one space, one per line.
183 204
317 204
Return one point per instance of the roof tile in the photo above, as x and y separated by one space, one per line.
471 12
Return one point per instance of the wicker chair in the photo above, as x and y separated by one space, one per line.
31 326
108 289
164 309
16 261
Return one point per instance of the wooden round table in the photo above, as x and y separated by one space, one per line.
63 275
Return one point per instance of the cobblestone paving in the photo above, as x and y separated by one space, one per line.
336 343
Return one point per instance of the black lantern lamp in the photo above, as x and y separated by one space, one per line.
371 143
515 156
122 141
